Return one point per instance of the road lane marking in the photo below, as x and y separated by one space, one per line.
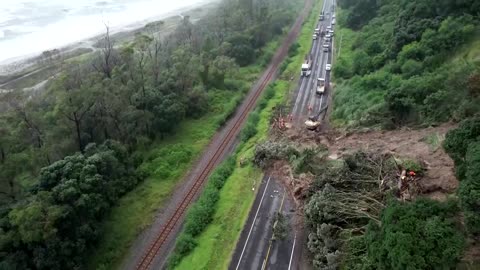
302 96
264 265
291 255
253 224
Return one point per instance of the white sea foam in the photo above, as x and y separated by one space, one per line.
28 27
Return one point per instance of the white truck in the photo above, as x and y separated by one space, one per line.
306 66
320 86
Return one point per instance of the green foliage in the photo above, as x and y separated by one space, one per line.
250 128
269 151
346 200
201 213
411 165
71 199
426 85
418 235
457 141
324 244
279 226
359 12
135 93
469 191
463 146
345 196
197 103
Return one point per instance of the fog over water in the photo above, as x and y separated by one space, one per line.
29 27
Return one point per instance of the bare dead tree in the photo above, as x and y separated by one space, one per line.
76 116
107 57
154 55
18 104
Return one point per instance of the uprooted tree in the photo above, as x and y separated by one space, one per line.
352 221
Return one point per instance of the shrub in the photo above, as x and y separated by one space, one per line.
418 235
412 165
469 191
201 213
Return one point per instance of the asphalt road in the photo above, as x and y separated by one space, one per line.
146 238
305 96
256 249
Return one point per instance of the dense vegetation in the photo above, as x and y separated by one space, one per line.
215 245
123 97
463 145
60 220
354 225
201 213
399 67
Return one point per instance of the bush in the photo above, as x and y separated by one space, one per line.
201 213
412 165
250 128
418 235
269 151
469 191
457 141
292 51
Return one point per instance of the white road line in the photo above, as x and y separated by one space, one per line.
304 97
253 224
291 255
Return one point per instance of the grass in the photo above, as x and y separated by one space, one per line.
471 51
434 141
166 163
217 243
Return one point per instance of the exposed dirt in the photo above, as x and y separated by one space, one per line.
439 179
296 186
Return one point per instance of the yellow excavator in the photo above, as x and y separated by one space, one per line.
313 122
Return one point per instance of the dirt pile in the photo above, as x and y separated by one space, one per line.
423 145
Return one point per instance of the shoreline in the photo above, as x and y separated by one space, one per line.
12 69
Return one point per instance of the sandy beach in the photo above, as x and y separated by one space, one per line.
14 70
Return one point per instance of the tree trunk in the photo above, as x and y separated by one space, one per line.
2 155
77 127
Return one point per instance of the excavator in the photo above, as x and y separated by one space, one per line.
313 122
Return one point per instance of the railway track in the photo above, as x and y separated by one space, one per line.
147 259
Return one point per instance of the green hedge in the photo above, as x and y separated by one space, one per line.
201 212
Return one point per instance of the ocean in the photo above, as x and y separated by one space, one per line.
29 27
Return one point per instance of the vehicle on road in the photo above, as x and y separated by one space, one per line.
328 35
313 122
326 47
320 86
333 21
306 66
328 67
314 36
321 17
317 31
331 32
328 39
